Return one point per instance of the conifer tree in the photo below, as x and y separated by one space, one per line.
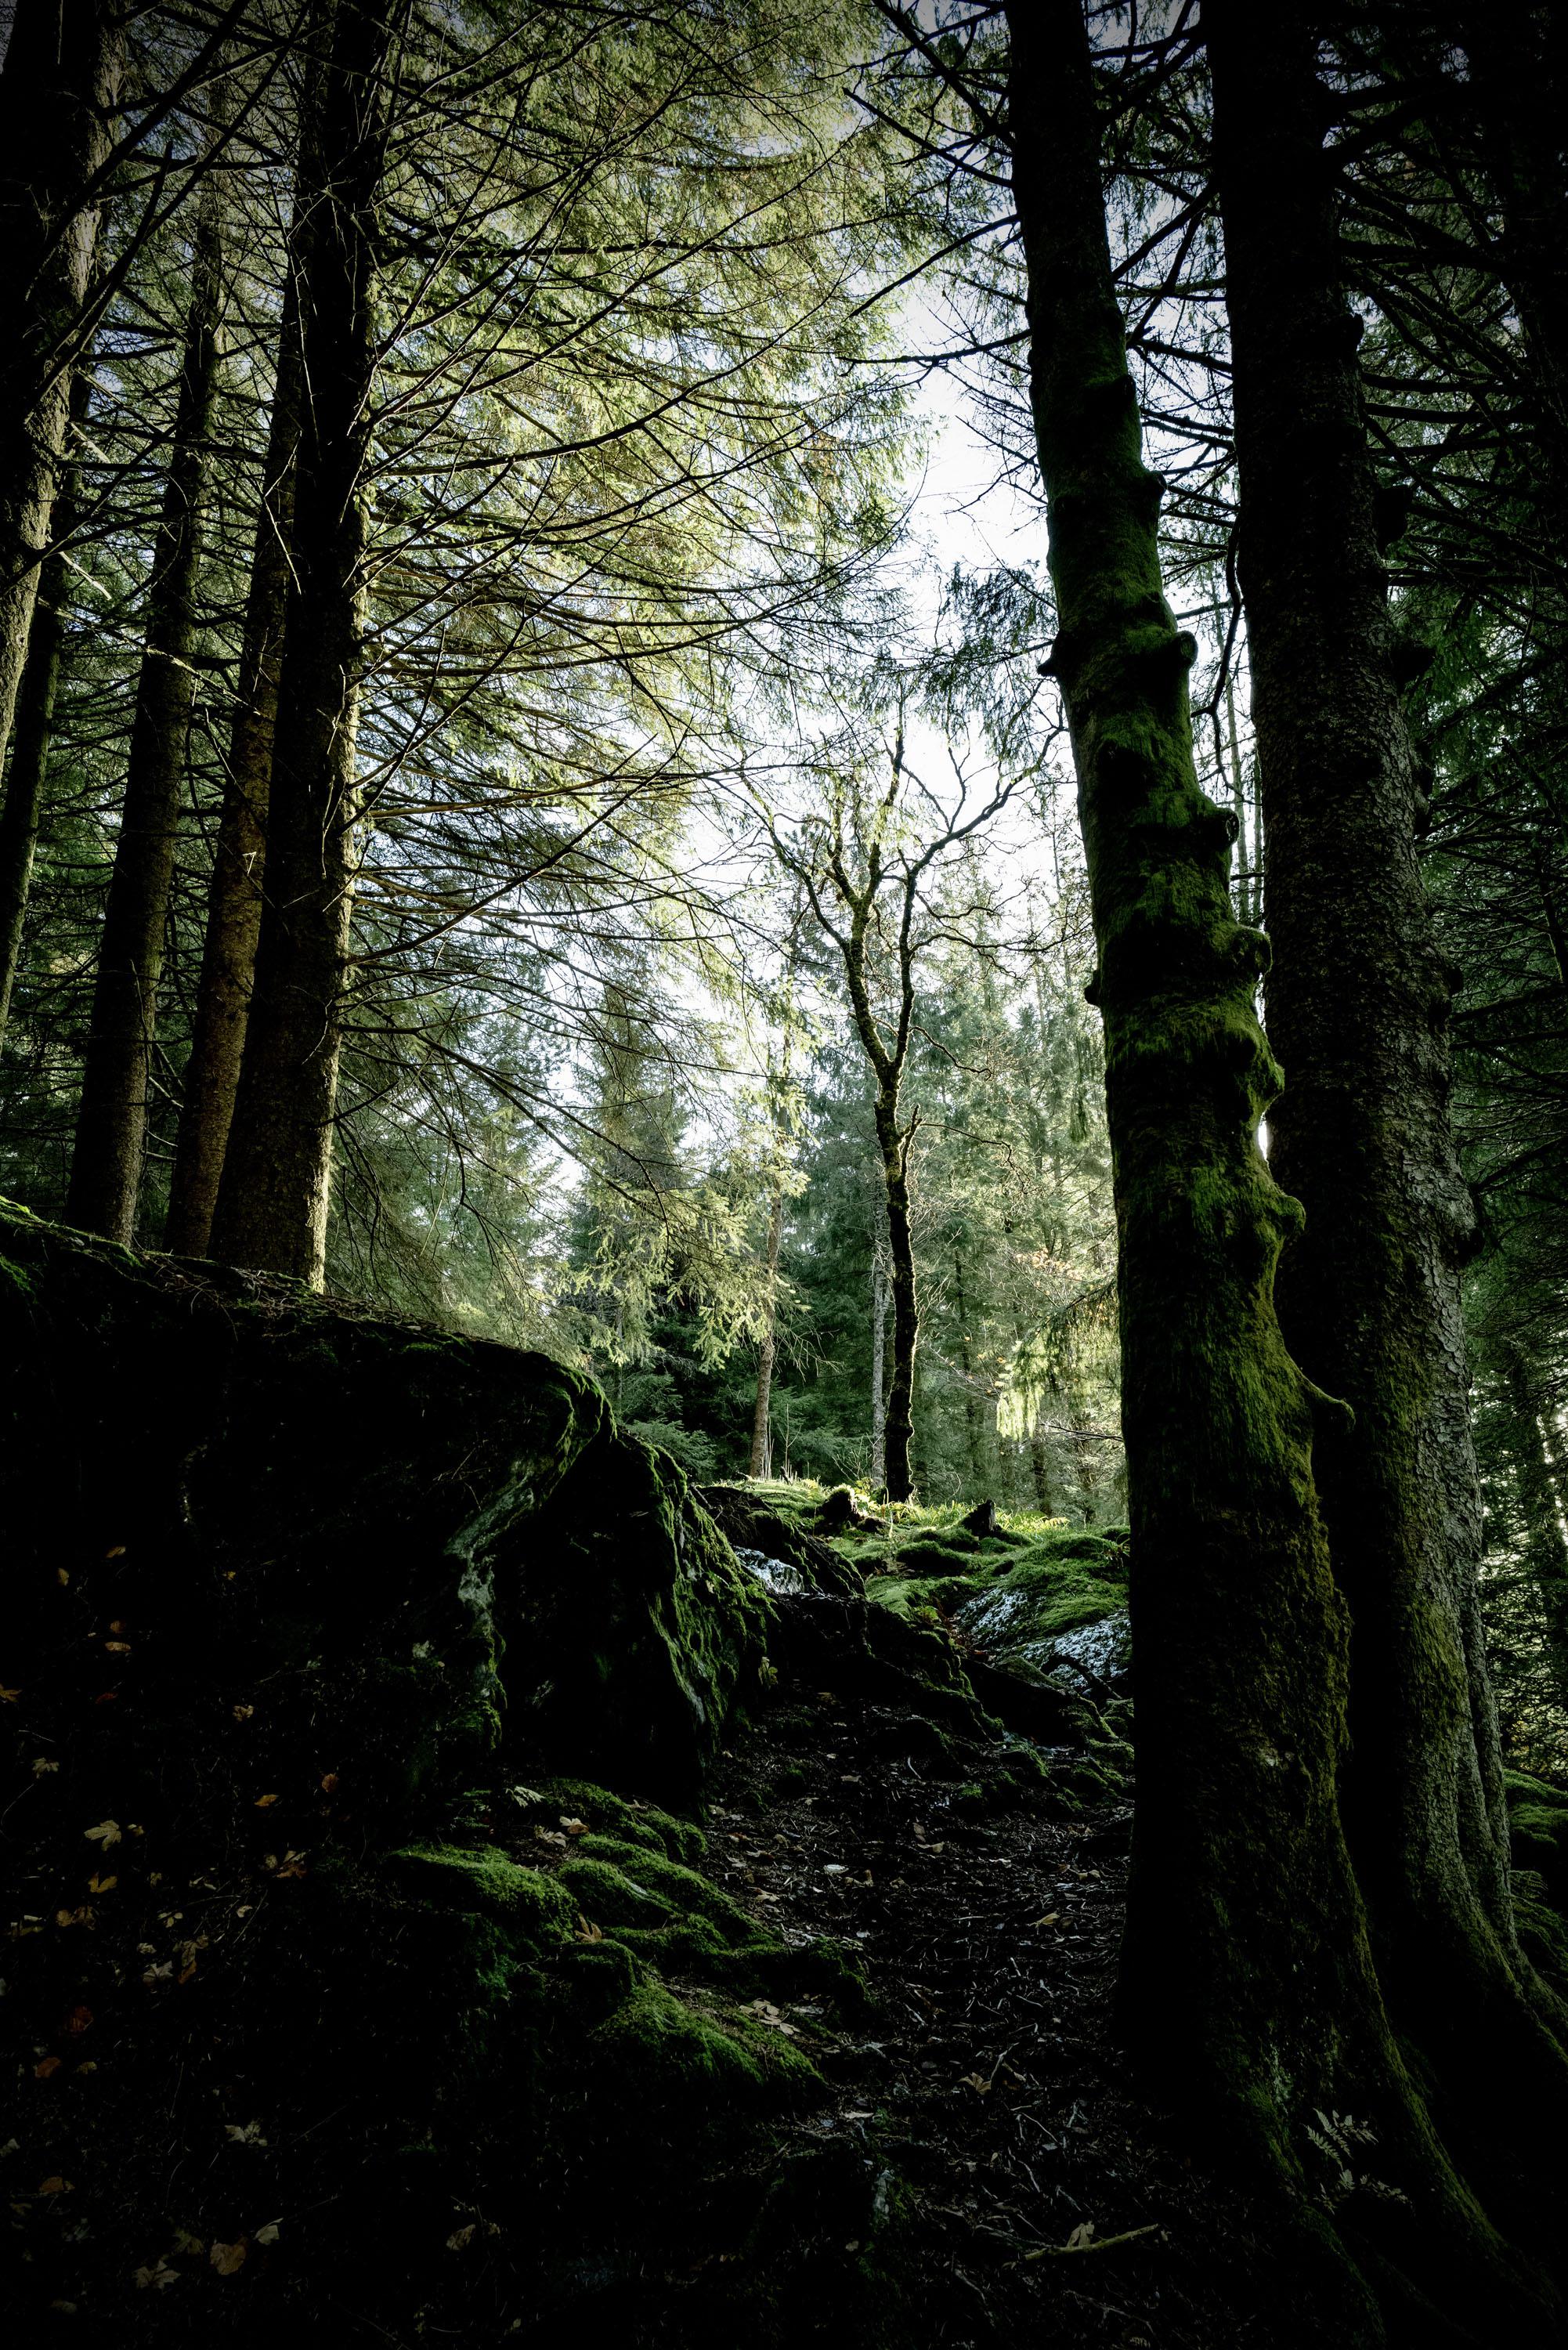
112 1121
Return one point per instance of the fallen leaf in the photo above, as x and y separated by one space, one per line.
118 1627
89 2064
977 2083
47 2065
82 1917
42 1766
186 1974
229 2259
1082 2234
158 2277
159 1975
573 1827
767 1896
106 1696
243 2133
118 1647
1052 1917
107 1833
62 1576
586 1931
264 1802
118 1552
80 2019
461 2238
329 1784
103 1884
267 2235
242 1713
185 2242
55 2186
9 1697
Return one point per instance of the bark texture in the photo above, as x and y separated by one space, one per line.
234 898
273 1199
59 85
35 717
1247 1988
112 1124
1357 1001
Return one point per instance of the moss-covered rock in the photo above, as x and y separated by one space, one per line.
371 1537
1056 1600
765 1530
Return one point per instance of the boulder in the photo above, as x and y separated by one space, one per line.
766 1541
315 1972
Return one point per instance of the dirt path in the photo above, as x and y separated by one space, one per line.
1048 2204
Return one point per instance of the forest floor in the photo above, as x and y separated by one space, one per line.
1047 2203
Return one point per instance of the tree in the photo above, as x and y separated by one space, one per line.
234 896
59 85
33 730
864 869
1251 1995
1358 997
272 1203
111 1122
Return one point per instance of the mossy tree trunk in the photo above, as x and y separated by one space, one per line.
1358 1002
273 1197
235 897
111 1122
35 715
1247 1988
58 86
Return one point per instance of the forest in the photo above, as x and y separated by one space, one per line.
784 954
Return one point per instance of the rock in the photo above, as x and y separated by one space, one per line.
388 1539
982 1520
299 1602
861 1651
772 1574
841 1512
754 1524
1056 1612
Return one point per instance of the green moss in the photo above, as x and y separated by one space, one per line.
633 1823
623 1879
535 1908
711 2060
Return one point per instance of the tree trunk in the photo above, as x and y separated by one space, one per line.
35 715
878 1369
762 1429
974 1423
1247 1986
59 85
234 898
893 1142
1040 1469
112 1124
274 1195
1358 1006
